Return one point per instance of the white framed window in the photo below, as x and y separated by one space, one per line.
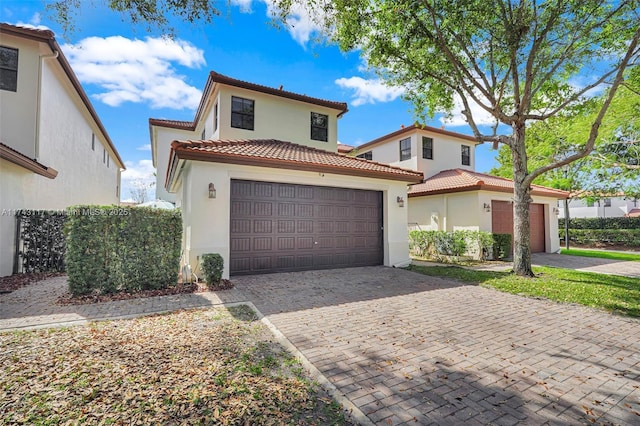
405 149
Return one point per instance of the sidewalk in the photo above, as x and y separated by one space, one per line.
34 306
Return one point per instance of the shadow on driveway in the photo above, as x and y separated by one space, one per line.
410 349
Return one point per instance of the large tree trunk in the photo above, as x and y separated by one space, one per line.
521 200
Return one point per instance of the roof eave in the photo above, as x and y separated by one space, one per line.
26 163
184 154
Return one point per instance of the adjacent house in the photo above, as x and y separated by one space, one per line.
54 150
454 196
616 205
259 180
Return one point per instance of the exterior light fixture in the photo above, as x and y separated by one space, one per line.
487 207
212 190
556 211
400 201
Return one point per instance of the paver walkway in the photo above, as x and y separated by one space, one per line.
410 349
35 305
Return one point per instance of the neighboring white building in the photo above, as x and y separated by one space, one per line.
615 206
454 196
259 180
54 150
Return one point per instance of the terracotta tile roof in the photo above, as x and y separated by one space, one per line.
16 157
412 128
47 36
223 79
633 213
345 149
286 155
459 180
174 124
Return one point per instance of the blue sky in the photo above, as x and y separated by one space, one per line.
132 74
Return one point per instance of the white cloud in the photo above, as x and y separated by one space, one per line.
244 5
146 147
34 22
302 22
137 70
369 91
480 116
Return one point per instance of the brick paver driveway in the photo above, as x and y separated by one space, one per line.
406 348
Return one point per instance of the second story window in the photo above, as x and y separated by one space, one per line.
466 155
242 113
405 149
204 133
607 202
93 141
319 127
427 148
366 155
8 69
215 117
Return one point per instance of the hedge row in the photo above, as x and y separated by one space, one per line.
626 237
441 245
112 249
602 223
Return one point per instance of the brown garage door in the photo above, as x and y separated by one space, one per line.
277 227
502 222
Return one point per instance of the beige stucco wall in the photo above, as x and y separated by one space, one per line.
64 143
207 221
162 138
275 118
447 153
18 109
465 211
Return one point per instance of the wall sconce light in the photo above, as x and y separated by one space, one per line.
400 201
556 211
212 191
487 207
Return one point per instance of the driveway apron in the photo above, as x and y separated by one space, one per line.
411 349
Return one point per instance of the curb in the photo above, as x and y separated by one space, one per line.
349 407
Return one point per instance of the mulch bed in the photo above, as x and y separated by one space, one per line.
16 281
180 288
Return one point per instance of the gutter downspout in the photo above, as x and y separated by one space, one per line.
54 55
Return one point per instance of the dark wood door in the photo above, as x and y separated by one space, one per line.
278 227
502 223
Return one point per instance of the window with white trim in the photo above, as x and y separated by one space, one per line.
405 149
242 113
466 155
427 148
319 127
8 69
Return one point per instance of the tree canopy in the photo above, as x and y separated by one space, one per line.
521 61
612 167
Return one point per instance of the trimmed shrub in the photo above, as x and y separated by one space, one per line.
441 244
626 237
43 244
602 223
122 249
212 267
501 246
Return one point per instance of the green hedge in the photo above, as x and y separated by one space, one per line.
626 237
442 245
113 249
602 223
212 267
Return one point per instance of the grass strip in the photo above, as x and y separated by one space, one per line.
609 292
602 254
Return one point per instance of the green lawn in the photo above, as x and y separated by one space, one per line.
609 292
602 254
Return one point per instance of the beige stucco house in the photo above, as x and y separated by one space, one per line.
259 180
54 150
454 196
